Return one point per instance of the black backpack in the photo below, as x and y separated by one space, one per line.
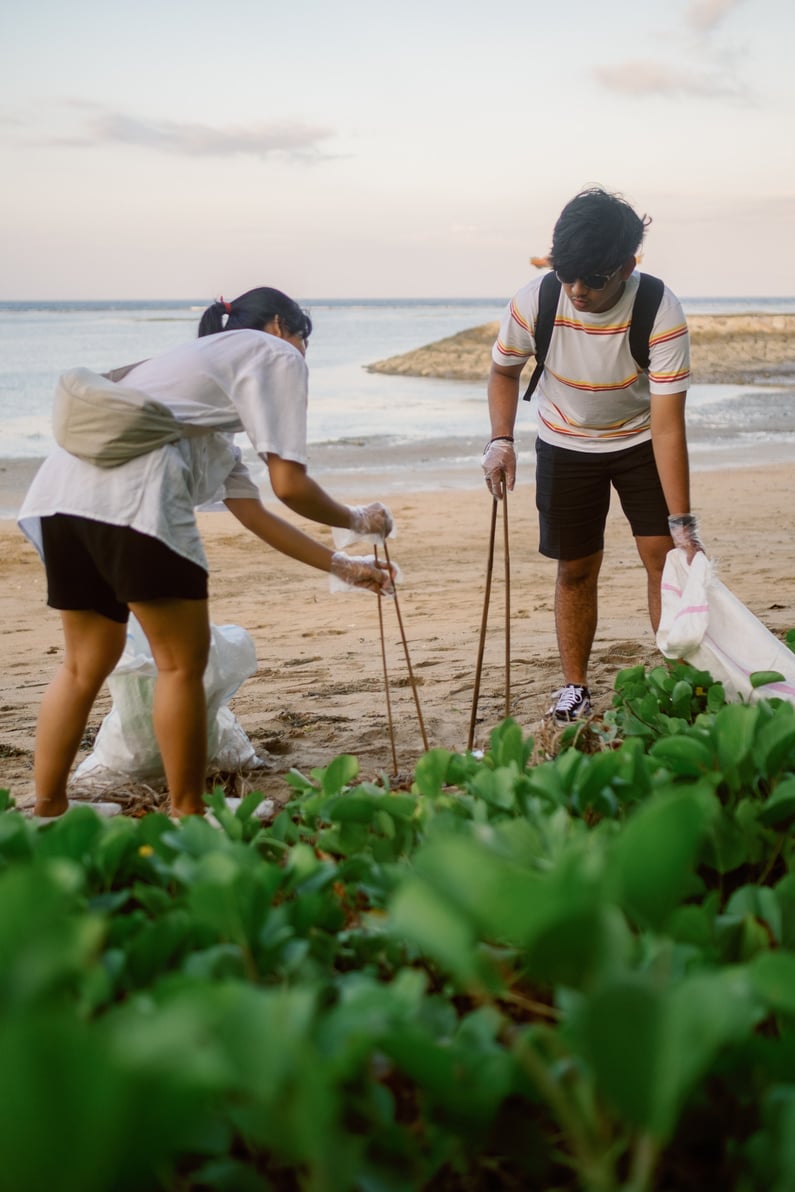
647 303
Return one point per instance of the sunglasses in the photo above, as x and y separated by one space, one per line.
592 281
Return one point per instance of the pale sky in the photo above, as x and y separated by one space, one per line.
191 148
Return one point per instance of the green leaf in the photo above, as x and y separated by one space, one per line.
650 1046
774 747
339 774
430 774
780 806
683 756
428 920
772 976
762 678
656 853
733 733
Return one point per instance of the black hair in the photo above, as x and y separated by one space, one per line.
253 310
596 232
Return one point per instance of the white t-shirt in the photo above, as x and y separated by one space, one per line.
234 381
591 396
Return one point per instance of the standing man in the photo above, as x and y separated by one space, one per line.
603 420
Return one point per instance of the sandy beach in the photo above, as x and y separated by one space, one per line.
319 689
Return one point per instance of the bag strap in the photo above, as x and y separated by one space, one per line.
644 311
548 295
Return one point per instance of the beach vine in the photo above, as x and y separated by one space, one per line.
567 967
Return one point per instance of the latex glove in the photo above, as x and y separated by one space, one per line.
362 571
369 523
684 532
499 465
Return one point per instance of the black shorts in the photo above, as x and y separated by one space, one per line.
102 568
573 497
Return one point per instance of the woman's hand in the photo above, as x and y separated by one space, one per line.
362 571
366 523
373 522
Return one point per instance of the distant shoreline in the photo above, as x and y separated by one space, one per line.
741 349
372 469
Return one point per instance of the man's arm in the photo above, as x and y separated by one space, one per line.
499 457
669 442
503 395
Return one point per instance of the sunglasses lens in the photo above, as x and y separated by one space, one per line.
593 281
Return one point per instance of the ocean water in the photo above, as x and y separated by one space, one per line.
39 340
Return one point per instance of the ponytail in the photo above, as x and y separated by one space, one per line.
212 320
253 310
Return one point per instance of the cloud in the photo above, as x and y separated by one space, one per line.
705 15
645 77
708 70
193 139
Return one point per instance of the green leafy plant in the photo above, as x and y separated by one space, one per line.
576 973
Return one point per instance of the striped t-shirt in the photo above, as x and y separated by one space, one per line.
591 396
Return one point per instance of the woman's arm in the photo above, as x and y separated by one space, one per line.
298 491
279 534
276 532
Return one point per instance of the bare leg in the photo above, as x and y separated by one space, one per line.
178 632
652 552
576 614
92 646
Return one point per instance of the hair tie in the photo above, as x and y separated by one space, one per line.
226 305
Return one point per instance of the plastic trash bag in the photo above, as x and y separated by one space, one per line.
703 623
125 743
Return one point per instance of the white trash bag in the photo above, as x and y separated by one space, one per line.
125 743
703 623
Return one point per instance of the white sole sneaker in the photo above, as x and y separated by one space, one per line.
106 810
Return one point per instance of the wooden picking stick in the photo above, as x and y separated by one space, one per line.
483 623
408 660
386 679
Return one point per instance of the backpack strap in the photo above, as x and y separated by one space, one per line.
548 295
644 311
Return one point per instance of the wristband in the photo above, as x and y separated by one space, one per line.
682 519
498 439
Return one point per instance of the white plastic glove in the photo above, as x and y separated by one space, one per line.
499 466
362 571
369 523
684 532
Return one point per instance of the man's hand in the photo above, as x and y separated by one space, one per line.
499 466
684 533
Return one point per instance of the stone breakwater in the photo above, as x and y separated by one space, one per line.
725 349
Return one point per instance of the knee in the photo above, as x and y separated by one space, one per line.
185 666
579 573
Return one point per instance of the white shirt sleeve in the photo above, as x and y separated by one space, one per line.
270 395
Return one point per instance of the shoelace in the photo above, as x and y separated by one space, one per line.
570 697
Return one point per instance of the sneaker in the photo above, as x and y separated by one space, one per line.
573 702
